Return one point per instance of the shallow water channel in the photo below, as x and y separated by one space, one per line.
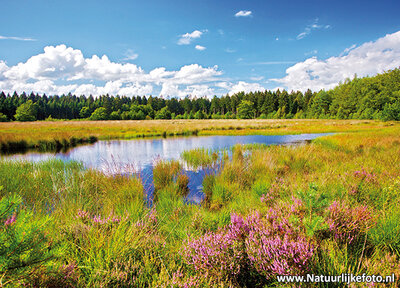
138 156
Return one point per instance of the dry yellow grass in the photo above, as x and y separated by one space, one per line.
33 132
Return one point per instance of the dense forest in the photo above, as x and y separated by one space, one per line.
375 97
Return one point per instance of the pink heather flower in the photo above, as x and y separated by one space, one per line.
115 219
274 248
269 244
238 228
364 175
347 223
153 216
97 219
297 207
11 220
82 214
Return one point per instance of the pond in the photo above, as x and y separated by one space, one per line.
128 156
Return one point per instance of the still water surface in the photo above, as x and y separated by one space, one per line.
126 156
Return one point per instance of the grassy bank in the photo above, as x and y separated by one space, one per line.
329 207
47 135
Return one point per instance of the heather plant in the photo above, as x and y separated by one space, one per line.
249 248
221 254
270 195
215 254
275 248
348 224
259 205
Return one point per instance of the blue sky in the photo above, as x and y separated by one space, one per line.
202 48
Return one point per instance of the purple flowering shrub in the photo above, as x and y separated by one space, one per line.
347 223
216 254
254 246
274 247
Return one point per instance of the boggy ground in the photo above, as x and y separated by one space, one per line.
329 207
41 134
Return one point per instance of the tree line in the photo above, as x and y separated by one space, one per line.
375 97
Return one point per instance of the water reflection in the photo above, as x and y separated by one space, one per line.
127 156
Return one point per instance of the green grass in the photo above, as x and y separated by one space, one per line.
200 157
95 230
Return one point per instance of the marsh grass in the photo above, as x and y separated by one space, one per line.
200 157
164 173
55 136
102 233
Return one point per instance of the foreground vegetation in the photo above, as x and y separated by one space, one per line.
48 136
329 207
375 97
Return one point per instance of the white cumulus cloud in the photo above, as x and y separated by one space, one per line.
187 38
172 90
368 59
104 69
242 86
194 74
56 62
61 70
243 13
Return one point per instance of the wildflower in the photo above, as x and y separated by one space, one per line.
269 244
82 214
348 223
11 220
